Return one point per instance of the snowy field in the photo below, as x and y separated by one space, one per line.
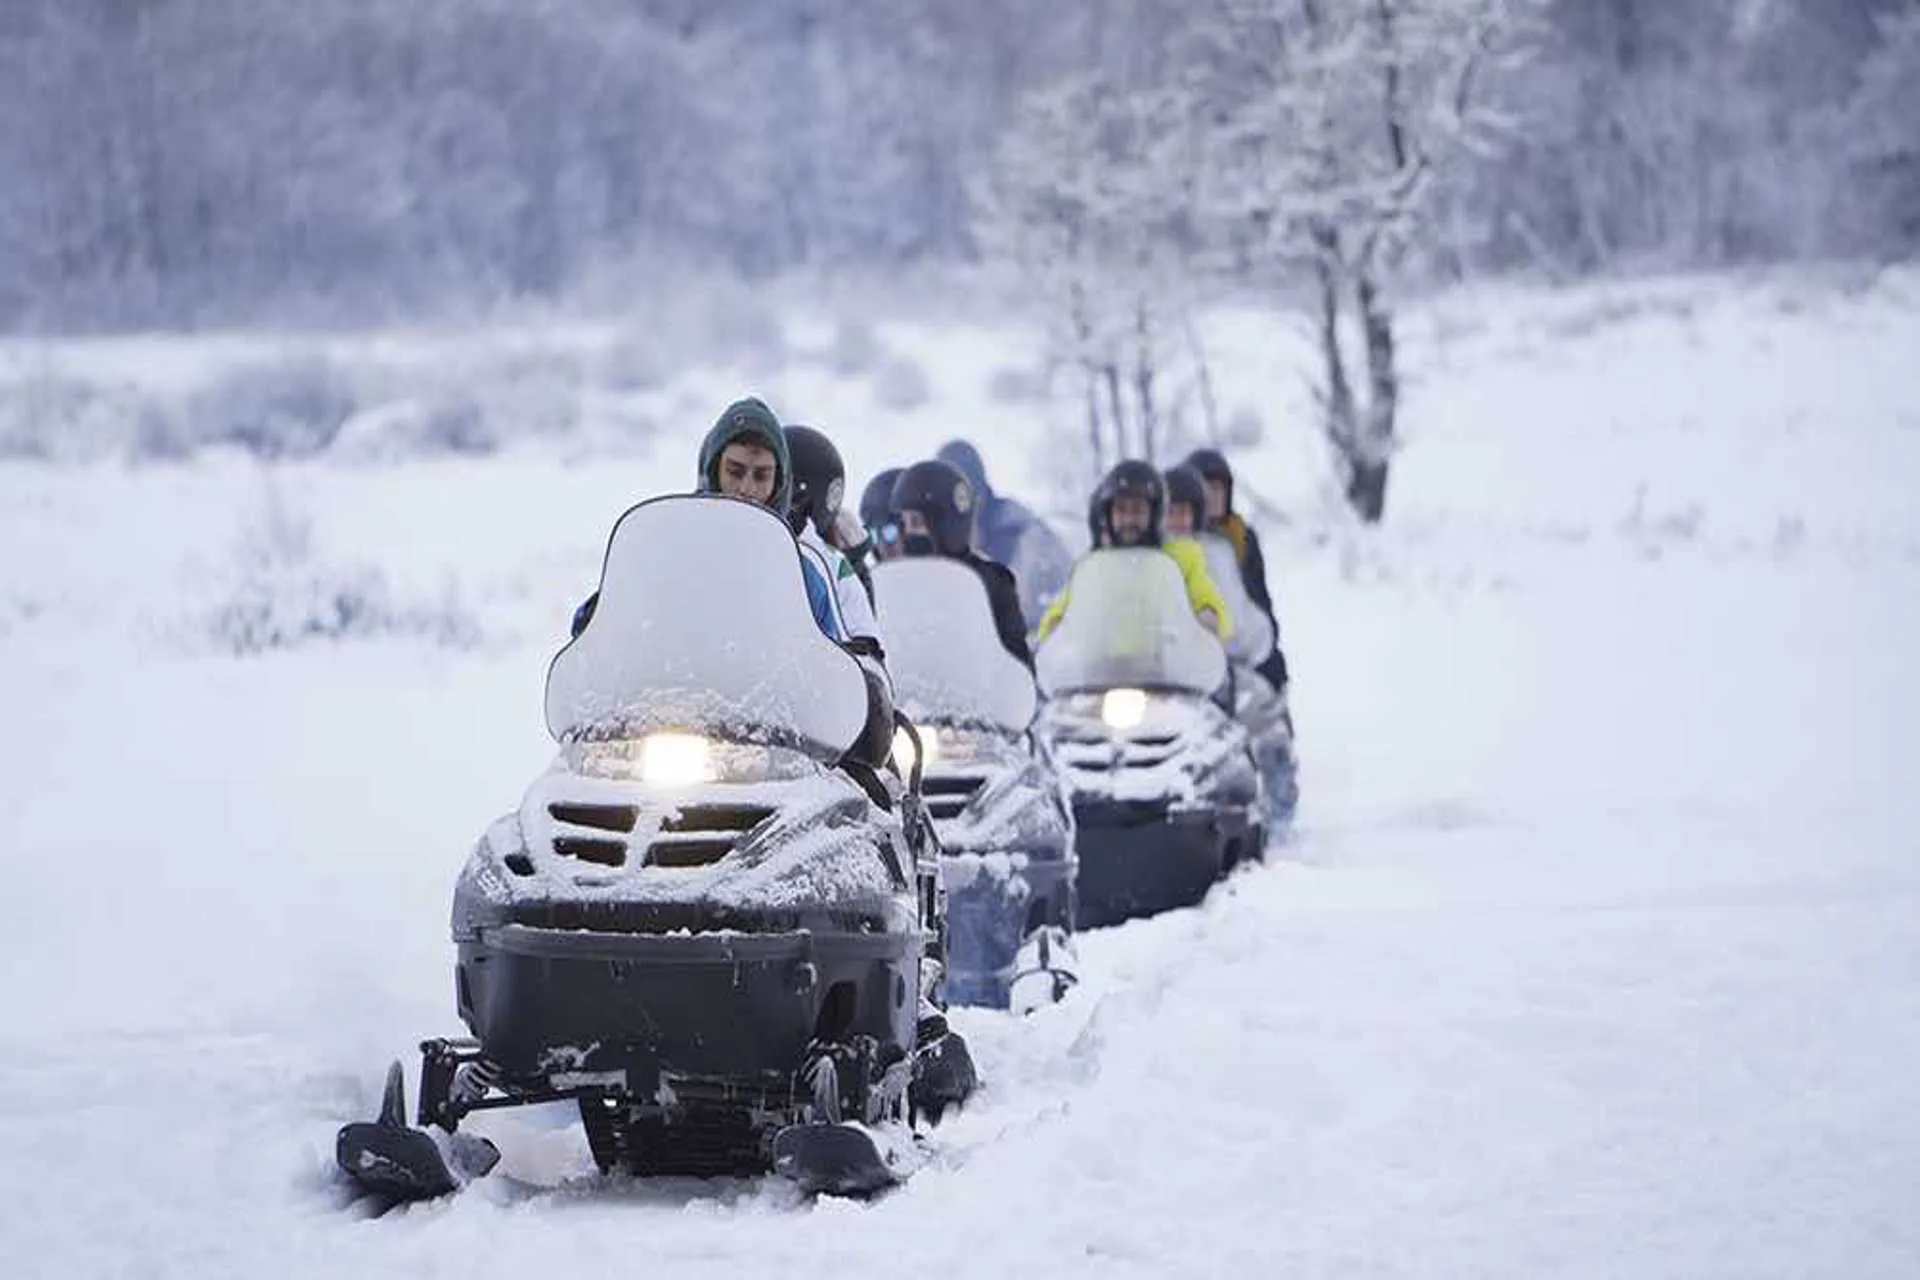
1597 952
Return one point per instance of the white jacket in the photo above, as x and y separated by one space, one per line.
850 598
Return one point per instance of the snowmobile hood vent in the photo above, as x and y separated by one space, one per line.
698 835
948 795
695 835
600 817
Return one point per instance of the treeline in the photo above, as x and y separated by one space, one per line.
202 161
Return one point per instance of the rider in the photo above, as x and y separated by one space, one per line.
821 525
876 513
1007 531
1224 520
1187 518
935 507
745 456
1128 510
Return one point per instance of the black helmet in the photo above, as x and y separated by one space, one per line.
944 499
876 500
819 479
1212 465
1186 487
1130 477
876 513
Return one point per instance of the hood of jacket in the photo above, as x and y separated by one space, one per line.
750 420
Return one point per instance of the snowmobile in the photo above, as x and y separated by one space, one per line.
706 922
1167 795
998 801
1257 704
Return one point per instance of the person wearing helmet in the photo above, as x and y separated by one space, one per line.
1186 502
819 524
876 515
744 456
935 506
1222 519
1187 518
1007 531
1129 510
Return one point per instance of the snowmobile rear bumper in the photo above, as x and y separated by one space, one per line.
992 908
552 1007
1139 858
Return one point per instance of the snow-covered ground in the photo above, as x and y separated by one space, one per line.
1597 952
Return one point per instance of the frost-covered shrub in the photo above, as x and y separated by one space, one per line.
732 325
901 385
528 392
1243 429
288 408
1010 385
282 596
56 418
453 423
855 349
637 362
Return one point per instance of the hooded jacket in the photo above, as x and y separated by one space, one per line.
1007 531
752 420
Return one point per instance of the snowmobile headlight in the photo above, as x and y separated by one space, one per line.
683 758
1123 708
929 742
676 760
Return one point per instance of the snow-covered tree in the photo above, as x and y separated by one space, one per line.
1329 123
1881 129
1091 201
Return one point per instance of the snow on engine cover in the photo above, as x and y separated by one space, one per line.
703 625
943 650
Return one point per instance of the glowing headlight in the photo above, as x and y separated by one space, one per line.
903 747
1123 708
675 760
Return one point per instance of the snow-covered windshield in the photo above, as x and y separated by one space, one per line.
1128 623
703 626
943 651
1252 639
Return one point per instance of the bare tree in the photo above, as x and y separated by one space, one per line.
1090 199
1330 122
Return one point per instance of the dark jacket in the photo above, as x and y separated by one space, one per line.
1253 572
1003 593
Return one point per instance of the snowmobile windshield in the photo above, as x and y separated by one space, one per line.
1129 624
703 627
1252 639
943 651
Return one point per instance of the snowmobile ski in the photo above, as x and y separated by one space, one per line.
387 1157
943 1072
836 1159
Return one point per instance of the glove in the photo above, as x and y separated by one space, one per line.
847 533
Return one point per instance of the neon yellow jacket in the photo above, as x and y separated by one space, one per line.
1201 591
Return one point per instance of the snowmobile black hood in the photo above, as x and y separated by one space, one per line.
749 419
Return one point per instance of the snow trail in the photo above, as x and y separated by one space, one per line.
1595 953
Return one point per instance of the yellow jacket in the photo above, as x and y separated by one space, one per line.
1201 591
